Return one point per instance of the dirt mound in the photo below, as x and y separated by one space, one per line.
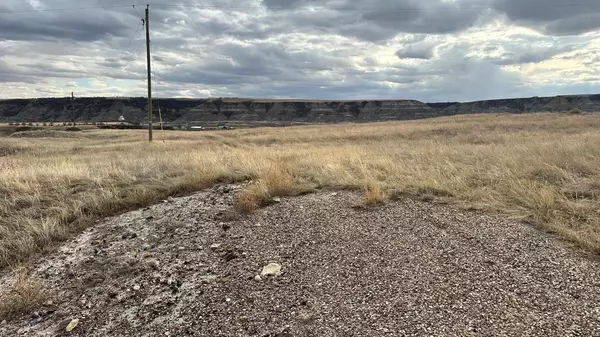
6 131
191 267
46 134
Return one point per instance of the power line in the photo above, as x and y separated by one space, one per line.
366 9
61 9
350 9
135 52
138 14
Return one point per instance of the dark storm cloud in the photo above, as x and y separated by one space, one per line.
422 51
556 17
530 54
296 48
228 63
376 20
54 27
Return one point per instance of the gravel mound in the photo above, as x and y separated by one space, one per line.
315 265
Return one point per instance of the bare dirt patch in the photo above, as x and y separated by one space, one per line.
189 266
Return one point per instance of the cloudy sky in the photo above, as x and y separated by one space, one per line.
430 50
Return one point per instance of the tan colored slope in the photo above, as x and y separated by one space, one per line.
543 168
188 267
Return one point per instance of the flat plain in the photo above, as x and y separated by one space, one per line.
540 170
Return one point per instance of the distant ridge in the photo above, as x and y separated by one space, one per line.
187 110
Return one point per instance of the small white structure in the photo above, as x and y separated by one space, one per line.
121 119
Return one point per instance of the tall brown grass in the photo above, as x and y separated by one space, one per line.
543 168
24 295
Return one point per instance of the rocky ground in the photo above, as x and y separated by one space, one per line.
192 267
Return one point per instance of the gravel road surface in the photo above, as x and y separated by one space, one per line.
192 267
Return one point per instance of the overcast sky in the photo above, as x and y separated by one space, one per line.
430 50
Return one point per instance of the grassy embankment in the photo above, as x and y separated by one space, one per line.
544 168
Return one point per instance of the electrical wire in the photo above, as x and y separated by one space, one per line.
155 83
364 9
135 52
61 9
138 13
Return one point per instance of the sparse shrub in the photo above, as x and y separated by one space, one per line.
51 123
575 112
44 124
25 295
30 124
279 181
252 197
10 123
64 124
72 128
374 194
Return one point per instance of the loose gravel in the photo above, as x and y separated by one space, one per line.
192 267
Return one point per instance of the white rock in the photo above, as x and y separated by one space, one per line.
257 278
215 246
72 325
272 269
136 287
207 279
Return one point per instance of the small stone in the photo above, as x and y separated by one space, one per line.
226 227
149 218
3 322
130 235
208 279
215 246
334 194
257 278
227 299
276 199
230 255
153 263
136 287
72 325
244 319
305 317
272 269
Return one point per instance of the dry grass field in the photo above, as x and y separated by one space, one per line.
542 168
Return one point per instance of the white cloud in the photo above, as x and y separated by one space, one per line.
431 50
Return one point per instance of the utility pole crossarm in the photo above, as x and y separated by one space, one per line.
147 22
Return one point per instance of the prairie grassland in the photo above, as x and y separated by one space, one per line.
542 168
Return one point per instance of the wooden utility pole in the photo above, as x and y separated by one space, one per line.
147 23
73 107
